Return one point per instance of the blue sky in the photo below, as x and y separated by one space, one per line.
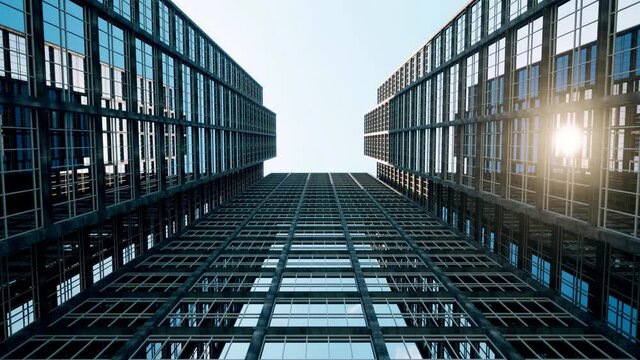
320 63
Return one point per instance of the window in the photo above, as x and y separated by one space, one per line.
516 8
179 41
19 317
165 33
448 38
65 69
476 22
472 91
168 86
316 283
12 15
68 289
494 86
513 254
540 270
317 348
622 317
461 26
102 269
145 85
187 113
145 15
113 66
123 8
574 289
317 313
128 253
495 15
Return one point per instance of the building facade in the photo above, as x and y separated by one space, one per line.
317 266
517 124
121 122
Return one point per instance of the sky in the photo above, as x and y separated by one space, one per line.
320 63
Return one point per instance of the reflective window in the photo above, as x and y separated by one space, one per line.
113 66
179 28
168 86
472 91
214 313
622 317
420 313
19 317
123 8
517 8
540 270
67 289
440 347
574 289
165 23
495 15
148 137
526 77
494 86
171 154
448 42
317 313
145 15
317 348
476 22
65 59
145 84
12 15
461 25
187 112
317 283
102 269
73 167
19 174
117 152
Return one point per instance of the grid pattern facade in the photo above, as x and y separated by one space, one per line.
316 266
121 122
516 124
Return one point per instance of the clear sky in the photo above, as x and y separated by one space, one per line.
320 63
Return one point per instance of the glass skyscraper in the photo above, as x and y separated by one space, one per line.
517 124
317 266
121 123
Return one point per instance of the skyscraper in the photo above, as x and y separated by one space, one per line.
121 122
316 266
516 123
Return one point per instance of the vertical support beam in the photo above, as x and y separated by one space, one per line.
377 337
546 77
507 124
605 27
36 67
95 96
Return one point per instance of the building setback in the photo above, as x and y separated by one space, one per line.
121 123
316 266
517 124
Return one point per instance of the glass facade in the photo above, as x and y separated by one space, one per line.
315 266
111 144
529 146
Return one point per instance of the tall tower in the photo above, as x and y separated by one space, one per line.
317 266
121 122
516 123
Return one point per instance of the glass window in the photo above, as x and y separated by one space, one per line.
145 84
12 14
317 313
102 268
123 8
65 63
494 86
113 66
461 26
179 42
513 254
574 289
622 317
187 112
317 349
19 317
448 38
165 27
476 22
128 253
68 289
540 270
516 8
526 78
495 15
145 15
168 86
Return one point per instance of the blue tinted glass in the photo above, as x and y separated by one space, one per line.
12 16
339 350
50 14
